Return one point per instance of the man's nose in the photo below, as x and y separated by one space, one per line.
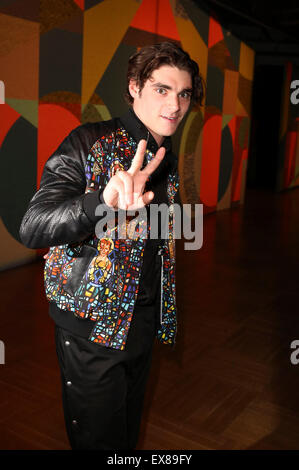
174 102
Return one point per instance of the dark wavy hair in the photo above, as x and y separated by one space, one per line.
144 62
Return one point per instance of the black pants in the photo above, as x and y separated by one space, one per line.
103 388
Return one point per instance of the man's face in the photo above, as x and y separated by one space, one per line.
163 101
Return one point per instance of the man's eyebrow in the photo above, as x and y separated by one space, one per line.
189 90
163 85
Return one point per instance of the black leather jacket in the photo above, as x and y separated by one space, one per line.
62 215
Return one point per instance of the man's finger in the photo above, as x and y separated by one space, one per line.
155 162
114 193
138 158
128 186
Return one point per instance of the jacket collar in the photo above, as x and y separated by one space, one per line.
135 127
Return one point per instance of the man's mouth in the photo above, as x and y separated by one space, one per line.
170 118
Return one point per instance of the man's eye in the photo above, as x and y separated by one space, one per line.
185 95
161 91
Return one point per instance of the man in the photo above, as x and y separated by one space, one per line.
110 296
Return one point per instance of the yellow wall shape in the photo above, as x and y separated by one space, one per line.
104 27
193 43
246 64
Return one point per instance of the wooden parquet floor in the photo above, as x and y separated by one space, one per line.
229 382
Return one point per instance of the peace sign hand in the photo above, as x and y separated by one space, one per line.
125 188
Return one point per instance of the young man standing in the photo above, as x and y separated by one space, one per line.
110 297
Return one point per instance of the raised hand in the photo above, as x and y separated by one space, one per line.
125 190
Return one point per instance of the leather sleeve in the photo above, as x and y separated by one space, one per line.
60 211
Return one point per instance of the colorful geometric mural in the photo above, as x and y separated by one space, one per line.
214 144
288 159
63 62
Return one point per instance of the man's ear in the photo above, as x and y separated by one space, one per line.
133 89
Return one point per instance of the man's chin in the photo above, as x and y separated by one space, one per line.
170 132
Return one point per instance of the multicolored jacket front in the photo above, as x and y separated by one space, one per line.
95 278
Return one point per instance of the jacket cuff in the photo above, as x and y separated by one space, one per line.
90 202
